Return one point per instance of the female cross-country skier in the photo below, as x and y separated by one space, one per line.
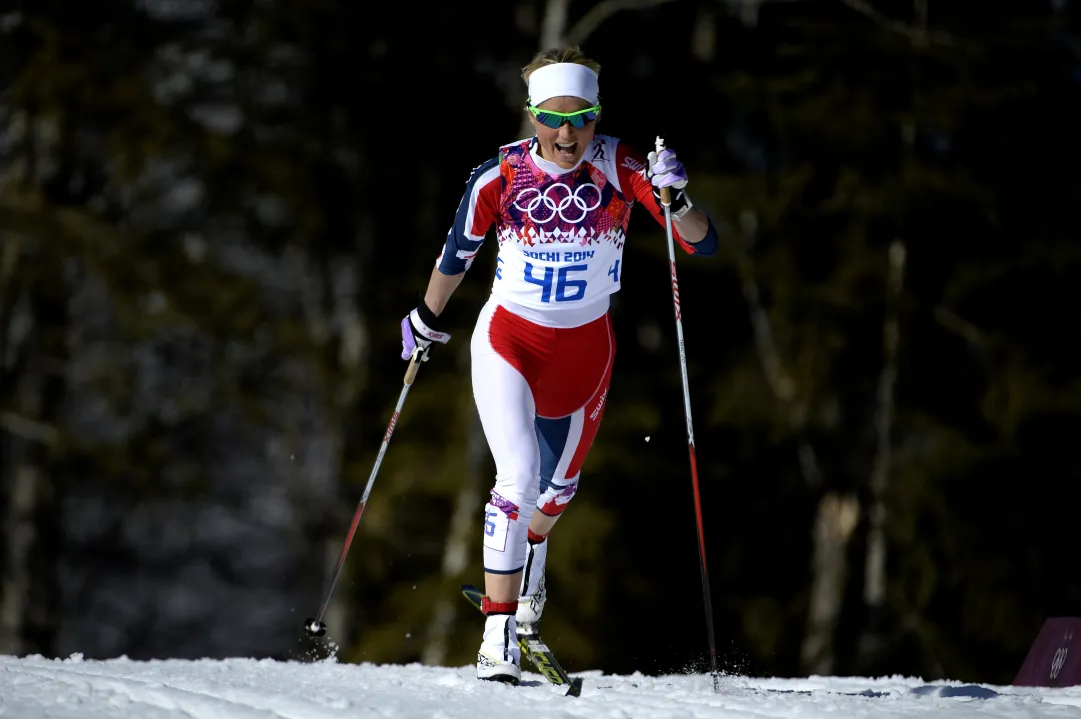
543 345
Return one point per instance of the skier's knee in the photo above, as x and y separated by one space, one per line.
517 482
515 493
554 497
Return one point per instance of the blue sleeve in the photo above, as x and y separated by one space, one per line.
477 212
707 246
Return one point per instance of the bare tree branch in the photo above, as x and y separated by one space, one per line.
953 322
600 12
779 380
12 245
28 429
553 24
919 35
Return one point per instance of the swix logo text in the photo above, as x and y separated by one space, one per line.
675 290
600 404
633 165
390 427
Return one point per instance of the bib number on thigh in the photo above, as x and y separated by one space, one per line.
498 514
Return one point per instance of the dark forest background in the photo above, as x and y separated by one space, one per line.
214 213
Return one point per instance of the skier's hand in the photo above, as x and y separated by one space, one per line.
418 331
666 170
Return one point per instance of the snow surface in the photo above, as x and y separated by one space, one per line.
73 688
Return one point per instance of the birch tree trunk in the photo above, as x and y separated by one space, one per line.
464 528
24 486
835 521
312 440
31 520
24 495
836 515
19 485
347 279
874 587
704 35
32 368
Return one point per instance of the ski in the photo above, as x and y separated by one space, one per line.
534 648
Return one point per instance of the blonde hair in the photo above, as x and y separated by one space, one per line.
570 53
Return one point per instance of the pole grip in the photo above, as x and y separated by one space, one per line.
414 365
666 192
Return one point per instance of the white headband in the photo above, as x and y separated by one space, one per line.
563 79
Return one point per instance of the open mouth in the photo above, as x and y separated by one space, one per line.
566 152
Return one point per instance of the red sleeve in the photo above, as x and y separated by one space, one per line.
631 166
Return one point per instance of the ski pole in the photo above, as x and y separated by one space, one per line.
666 202
315 626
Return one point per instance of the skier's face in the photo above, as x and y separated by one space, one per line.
564 144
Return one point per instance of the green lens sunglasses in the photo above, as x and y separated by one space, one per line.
555 120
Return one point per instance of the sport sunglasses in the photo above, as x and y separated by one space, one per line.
555 120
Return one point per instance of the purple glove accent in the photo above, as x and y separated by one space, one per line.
666 170
409 344
417 332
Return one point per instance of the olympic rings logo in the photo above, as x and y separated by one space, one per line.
555 208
